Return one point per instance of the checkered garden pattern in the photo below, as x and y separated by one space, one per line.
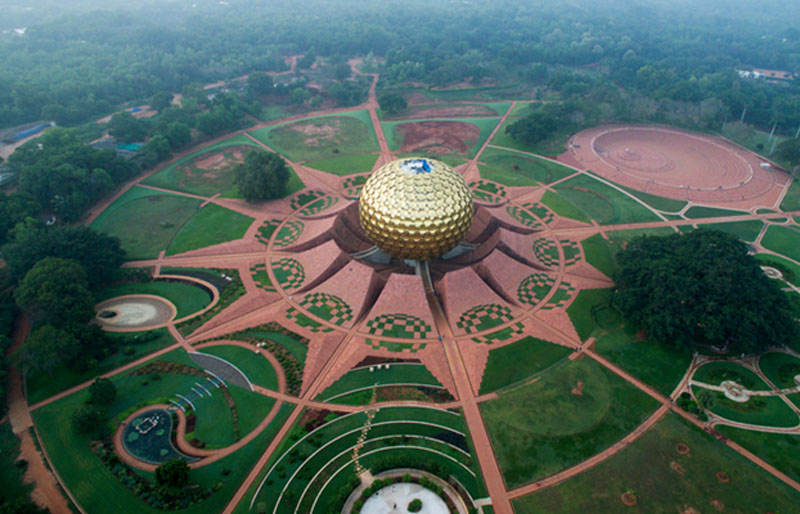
490 187
546 251
523 216
399 325
572 252
504 334
289 233
304 321
304 198
260 277
534 288
540 211
328 307
561 298
482 317
266 229
289 273
319 205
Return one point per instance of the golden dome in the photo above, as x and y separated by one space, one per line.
415 208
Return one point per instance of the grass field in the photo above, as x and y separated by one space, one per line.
715 373
515 169
770 260
603 203
698 211
42 386
186 297
658 364
575 410
783 240
657 202
587 312
780 450
209 226
364 378
791 202
486 125
780 369
554 145
255 367
767 411
601 253
757 141
323 137
295 347
214 420
519 361
97 489
159 217
345 165
184 176
564 207
663 480
745 230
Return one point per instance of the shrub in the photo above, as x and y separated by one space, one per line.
415 505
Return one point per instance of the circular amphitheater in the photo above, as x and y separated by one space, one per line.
674 163
134 312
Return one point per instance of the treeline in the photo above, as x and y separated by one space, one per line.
78 66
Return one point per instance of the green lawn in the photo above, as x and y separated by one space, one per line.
575 410
345 165
211 225
255 367
715 373
791 202
767 411
183 176
42 386
97 489
145 221
771 260
603 203
518 361
745 230
486 125
251 407
214 420
780 450
564 207
660 365
601 253
783 240
186 297
363 377
515 169
588 312
665 481
697 211
757 141
780 369
554 145
322 137
657 202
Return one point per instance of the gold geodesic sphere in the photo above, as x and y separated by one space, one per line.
415 208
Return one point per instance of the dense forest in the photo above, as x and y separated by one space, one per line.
73 62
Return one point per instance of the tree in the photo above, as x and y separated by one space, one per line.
533 128
47 348
341 71
392 103
126 127
262 176
789 150
701 288
99 254
178 134
86 419
173 474
161 100
259 83
56 290
102 391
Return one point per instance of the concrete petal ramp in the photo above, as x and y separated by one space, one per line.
222 368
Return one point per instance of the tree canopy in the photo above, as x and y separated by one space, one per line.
56 290
701 288
173 473
262 176
392 103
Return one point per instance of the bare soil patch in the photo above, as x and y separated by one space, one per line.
438 137
449 111
319 134
723 477
682 448
578 390
674 466
718 505
629 499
